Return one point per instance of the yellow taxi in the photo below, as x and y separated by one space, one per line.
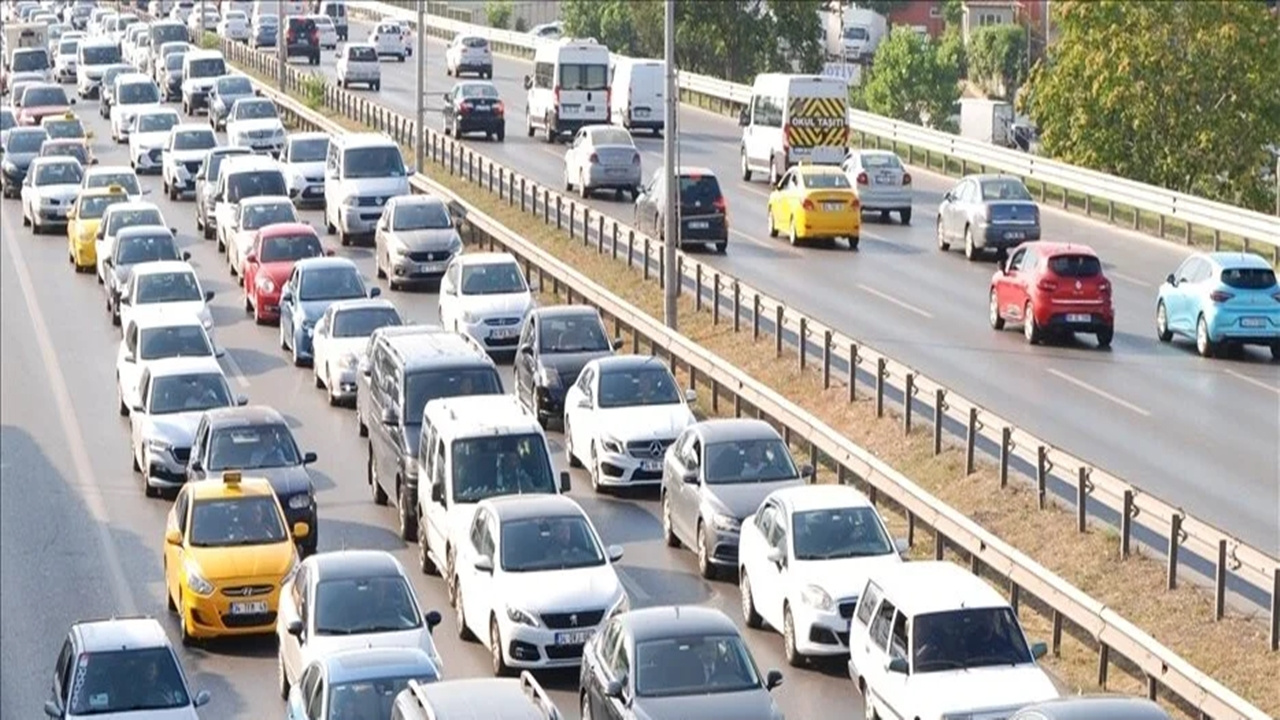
65 127
227 552
83 220
815 202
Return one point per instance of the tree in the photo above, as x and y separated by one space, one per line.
952 12
1185 95
798 27
498 13
997 59
912 79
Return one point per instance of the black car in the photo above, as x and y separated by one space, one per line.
556 343
135 245
704 213
21 146
171 77
302 39
257 441
474 107
684 662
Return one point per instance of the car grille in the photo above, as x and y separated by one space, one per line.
649 449
646 475
252 620
155 154
499 322
315 179
192 167
562 621
246 590
847 607
373 200
428 256
563 652
182 454
261 134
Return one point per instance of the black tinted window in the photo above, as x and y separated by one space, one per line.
1249 278
255 110
235 86
309 150
173 61
137 93
362 54
35 61
492 279
253 520
26 142
290 248
7 120
701 190
64 129
373 162
253 447
639 386
962 639
72 150
1075 265
207 67
362 323
423 387
332 283
572 334
148 248
59 173
255 184
44 96
161 34
175 341
261 215
487 467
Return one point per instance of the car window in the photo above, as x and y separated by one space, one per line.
188 393
146 248
1249 278
826 181
870 596
699 190
539 544
572 334
694 665
173 341
898 639
968 638
1004 189
764 460
236 521
167 287
362 322
353 606
253 447
492 279
126 681
628 387
331 283
492 466
840 533
1075 266
881 625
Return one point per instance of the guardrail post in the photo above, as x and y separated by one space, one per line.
853 371
1006 450
715 298
737 306
1111 211
971 440
1104 660
813 461
911 529
662 269
697 288
1042 474
635 342
975 565
1220 582
1151 687
939 544
600 233
1275 609
613 249
802 340
826 359
715 397
939 416
1175 544
881 372
1160 226
737 405
631 243
1126 524
546 206
644 259
1056 636
1187 237
522 195
1084 486
1015 596
908 393
755 318
777 332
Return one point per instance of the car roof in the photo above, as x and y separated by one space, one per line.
917 588
1238 260
185 366
399 200
143 231
819 170
248 415
553 311
803 498
250 163
289 228
628 362
120 634
318 263
295 137
362 304
481 699
527 507
133 77
165 317
158 111
355 564
59 142
110 170
191 127
266 199
1111 707
364 139
486 258
134 205
987 177
691 170
374 663
673 621
161 266
217 487
482 415
54 160
734 429
1053 249
28 131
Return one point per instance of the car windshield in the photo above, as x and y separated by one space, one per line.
145 248
880 161
76 150
423 387
1249 278
695 665
260 215
572 334
26 142
213 162
168 32
126 682
269 20
227 522
189 393
1075 266
826 181
584 77
556 543
173 341
236 16
1004 189
133 218
478 90
421 216
64 129
255 110
492 279
126 180
207 67
69 47
95 206
290 248
29 62
699 190
963 639
611 136
7 119
362 54
195 140
235 86
838 533
373 162
475 42
370 698
137 93
100 55
167 287
746 461
500 465
173 62
331 283
309 150
638 386
253 447
109 76
255 184
363 321
356 606
59 173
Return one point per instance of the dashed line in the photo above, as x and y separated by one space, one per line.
1252 381
1129 279
900 303
234 367
1099 392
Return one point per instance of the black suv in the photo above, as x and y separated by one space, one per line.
302 39
704 215
556 343
406 367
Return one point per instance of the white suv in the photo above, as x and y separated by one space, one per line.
486 296
361 173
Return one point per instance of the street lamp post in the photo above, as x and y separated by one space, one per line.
671 217
420 128
282 46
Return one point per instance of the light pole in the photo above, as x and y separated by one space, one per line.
282 46
671 217
420 134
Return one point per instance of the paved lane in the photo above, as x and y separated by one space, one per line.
58 547
1125 410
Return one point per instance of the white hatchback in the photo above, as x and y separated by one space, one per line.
486 296
358 63
389 40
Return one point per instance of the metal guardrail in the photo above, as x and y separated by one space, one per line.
1161 667
1101 193
1184 540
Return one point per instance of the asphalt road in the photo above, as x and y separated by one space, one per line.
1202 434
79 540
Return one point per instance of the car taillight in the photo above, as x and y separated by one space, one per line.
557 94
499 108
1047 285
593 159
906 178
635 159
863 179
1220 296
721 205
464 107
1104 287
808 204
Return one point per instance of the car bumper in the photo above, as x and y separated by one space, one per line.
342 385
361 76
266 146
403 268
473 124
885 199
650 120
88 87
48 216
829 225
302 190
538 648
65 74
210 617
85 253
475 66
303 515
623 470
494 338
302 343
164 471
1088 319
198 100
614 177
1243 328
146 162
722 546
820 632
267 305
998 236
359 220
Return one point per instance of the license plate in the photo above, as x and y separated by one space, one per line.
578 637
832 206
483 109
248 608
503 333
591 108
1014 235
642 112
651 465
886 179
430 267
1252 322
699 225
570 108
616 172
1079 318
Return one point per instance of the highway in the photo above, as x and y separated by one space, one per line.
79 540
1202 434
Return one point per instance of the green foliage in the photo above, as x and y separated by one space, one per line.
1185 95
884 7
210 41
997 59
952 12
498 13
311 87
522 25
798 27
912 79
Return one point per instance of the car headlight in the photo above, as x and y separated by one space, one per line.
301 501
611 444
548 377
816 598
469 317
265 285
516 615
455 245
725 522
351 201
348 361
206 320
156 445
47 202
621 605
9 167
196 582
278 132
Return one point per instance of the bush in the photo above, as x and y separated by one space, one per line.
210 41
312 90
498 13
521 25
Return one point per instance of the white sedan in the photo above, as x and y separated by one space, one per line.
251 215
340 339
118 217
133 94
154 337
64 63
167 286
803 557
234 26
486 296
182 156
327 30
148 134
49 191
254 123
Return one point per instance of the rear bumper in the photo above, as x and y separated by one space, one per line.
490 124
997 236
1230 329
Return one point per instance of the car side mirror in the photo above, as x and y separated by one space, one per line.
1039 650
389 417
566 484
73 100
202 698
897 665
186 255
432 619
614 689
308 458
615 553
251 258
286 296
94 161
1172 280
301 530
484 565
690 477
196 466
130 358
807 471
437 493
173 536
691 396
446 97
901 546
744 118
208 295
294 627
772 679
947 196
528 83
52 709
777 556
137 408
375 292
329 252
242 400
616 343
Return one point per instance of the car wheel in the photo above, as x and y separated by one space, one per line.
583 191
425 564
500 668
746 169
315 375
970 250
791 235
1030 330
997 322
1275 351
853 241
943 245
568 447
749 614
371 473
794 658
705 568
905 217
593 470
460 616
585 712
773 227
184 631
282 679
1163 333
1104 338
1204 345
668 529
408 520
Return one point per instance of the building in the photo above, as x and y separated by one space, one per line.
926 15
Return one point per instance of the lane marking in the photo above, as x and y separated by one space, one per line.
1252 381
900 303
1129 279
236 373
632 587
1099 392
89 488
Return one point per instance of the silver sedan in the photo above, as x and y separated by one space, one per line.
882 183
603 157
987 212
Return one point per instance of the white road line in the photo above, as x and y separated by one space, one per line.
1129 279
636 592
1099 392
234 367
900 303
1252 381
89 487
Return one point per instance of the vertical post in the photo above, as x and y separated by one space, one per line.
971 441
671 216
1220 582
939 416
1275 609
1175 543
420 59
1006 448
1126 525
282 49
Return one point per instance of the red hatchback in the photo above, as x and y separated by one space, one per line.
267 267
1053 289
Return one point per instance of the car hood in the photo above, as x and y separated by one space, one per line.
185 156
181 713
178 429
348 346
40 111
843 578
325 645
201 83
507 304
123 111
21 159
230 564
424 240
554 591
229 100
277 271
655 422
285 481
254 125
58 192
373 187
306 169
569 365
149 140
743 499
754 704
986 688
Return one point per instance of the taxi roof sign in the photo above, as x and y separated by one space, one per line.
231 478
115 189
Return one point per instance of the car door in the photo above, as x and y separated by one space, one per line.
686 505
583 409
1007 298
788 189
249 264
306 690
753 548
657 201
768 578
1180 305
437 504
476 586
875 651
1024 276
296 604
287 306
139 412
318 704
383 435
321 336
526 362
447 110
62 674
449 296
174 555
894 687
597 664
573 168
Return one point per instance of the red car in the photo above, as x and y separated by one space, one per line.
1053 289
267 267
42 100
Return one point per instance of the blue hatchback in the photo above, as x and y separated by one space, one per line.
1221 299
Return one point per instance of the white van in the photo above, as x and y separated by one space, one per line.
337 11
569 88
279 8
637 94
794 118
361 173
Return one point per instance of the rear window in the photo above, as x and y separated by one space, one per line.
1249 278
100 55
362 54
208 67
824 181
880 162
475 42
255 184
584 77
1075 265
699 190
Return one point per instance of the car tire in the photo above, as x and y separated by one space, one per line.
460 617
371 474
993 312
377 86
282 678
905 216
943 245
1163 333
1104 338
773 227
407 519
1275 351
185 636
853 241
1030 330
722 247
749 614
792 237
705 568
668 528
1204 344
425 563
500 667
501 135
569 457
794 658
971 251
